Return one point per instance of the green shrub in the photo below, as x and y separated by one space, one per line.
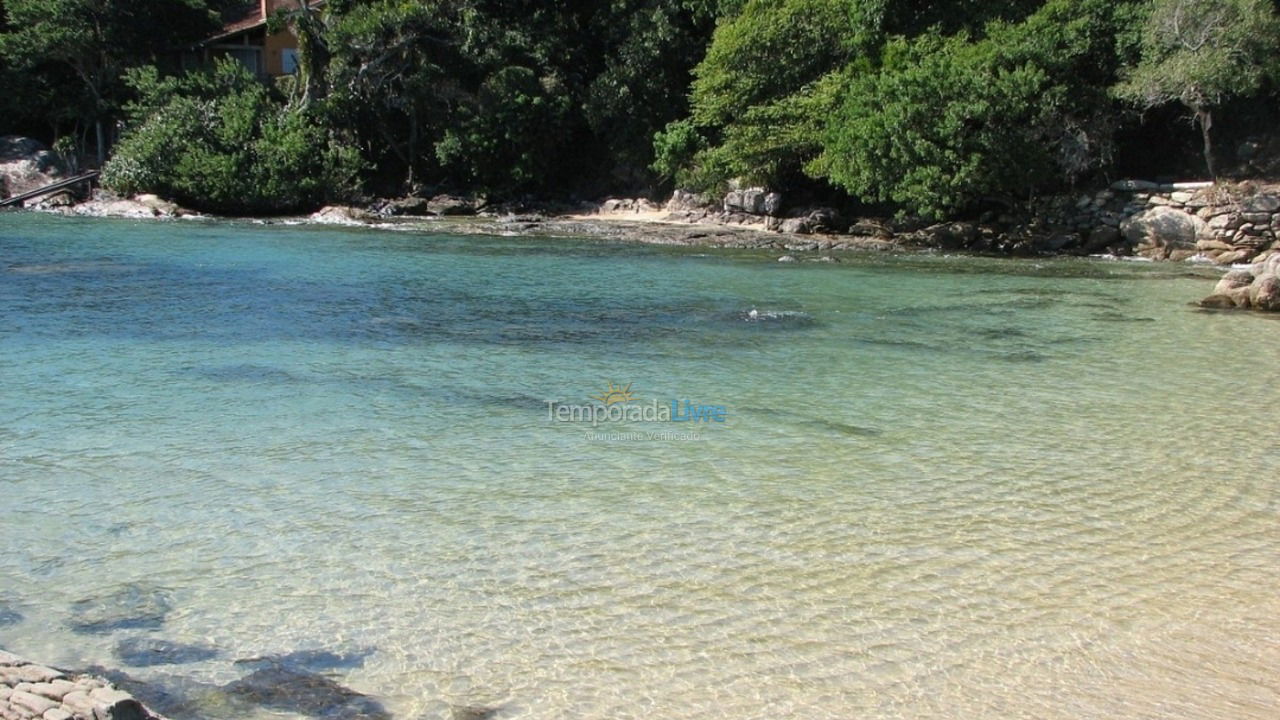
221 142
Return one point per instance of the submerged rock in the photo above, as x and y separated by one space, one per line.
310 660
175 697
279 688
9 616
132 607
473 712
146 652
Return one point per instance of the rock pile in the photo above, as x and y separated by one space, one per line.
1255 288
29 692
1226 224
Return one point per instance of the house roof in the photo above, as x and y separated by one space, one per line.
250 16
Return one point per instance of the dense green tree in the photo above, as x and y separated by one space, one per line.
94 42
947 121
396 73
220 141
1199 53
650 47
769 80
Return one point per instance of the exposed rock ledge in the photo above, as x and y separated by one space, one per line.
29 691
105 204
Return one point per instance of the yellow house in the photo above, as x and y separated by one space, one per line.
244 37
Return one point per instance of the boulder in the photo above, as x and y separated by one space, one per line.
27 165
753 201
453 205
1262 203
1232 280
342 215
626 205
795 226
1164 227
1101 238
140 207
408 207
953 236
1241 297
1264 293
684 201
1232 257
1212 244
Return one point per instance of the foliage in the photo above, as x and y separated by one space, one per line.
948 121
219 141
499 142
931 107
80 49
1199 53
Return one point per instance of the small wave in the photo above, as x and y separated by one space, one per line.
794 317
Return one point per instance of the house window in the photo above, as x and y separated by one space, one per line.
250 57
289 61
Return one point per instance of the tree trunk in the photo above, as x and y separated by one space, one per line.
1204 118
102 143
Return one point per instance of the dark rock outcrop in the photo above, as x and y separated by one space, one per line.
286 690
130 607
26 165
146 652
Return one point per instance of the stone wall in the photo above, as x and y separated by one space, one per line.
1224 223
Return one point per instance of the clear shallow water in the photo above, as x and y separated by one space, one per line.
948 487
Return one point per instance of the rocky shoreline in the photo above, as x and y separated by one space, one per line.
30 691
1230 225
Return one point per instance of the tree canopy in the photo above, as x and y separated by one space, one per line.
921 108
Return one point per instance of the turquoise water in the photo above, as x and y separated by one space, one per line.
946 487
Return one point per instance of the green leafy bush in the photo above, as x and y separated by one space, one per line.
949 120
221 142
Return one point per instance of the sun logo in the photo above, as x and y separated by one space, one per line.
615 395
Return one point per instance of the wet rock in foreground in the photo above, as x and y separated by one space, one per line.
146 652
132 607
278 688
